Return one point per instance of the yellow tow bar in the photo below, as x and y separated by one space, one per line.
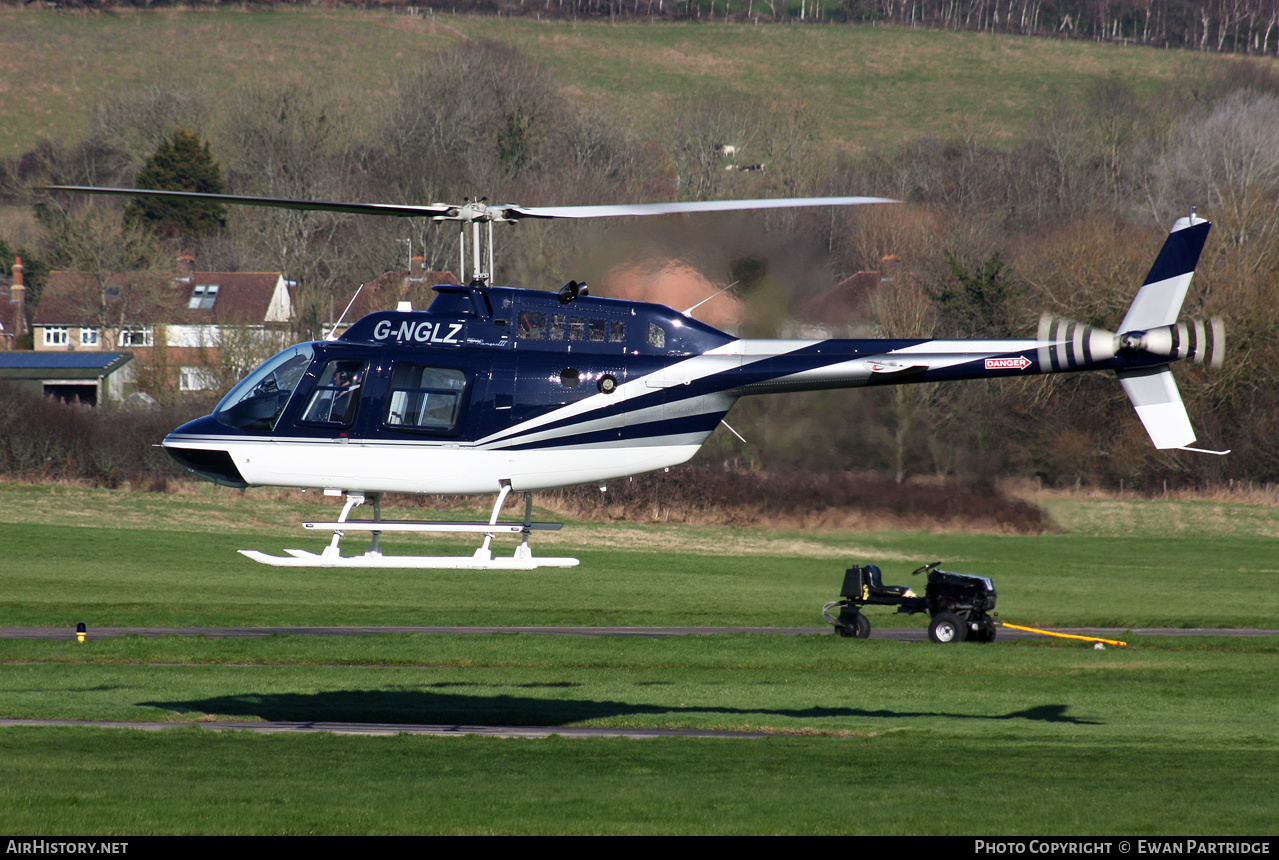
1063 635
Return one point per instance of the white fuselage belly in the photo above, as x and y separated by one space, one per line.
372 467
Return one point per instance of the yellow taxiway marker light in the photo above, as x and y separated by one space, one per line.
1064 635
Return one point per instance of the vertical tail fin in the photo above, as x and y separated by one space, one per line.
1152 390
1158 302
1154 395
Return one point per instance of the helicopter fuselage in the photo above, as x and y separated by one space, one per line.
497 385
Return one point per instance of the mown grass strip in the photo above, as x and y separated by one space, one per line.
190 781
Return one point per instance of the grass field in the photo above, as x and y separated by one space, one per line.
1167 736
1118 564
856 80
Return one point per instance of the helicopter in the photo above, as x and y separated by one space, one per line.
495 389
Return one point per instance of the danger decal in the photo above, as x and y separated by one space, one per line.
1018 363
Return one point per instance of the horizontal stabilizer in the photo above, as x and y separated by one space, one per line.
1154 394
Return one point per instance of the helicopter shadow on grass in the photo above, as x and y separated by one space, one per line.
426 706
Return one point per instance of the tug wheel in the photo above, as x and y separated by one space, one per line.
947 627
985 631
853 625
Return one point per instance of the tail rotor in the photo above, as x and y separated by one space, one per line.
1200 341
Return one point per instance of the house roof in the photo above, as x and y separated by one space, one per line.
63 365
242 298
387 290
79 298
76 298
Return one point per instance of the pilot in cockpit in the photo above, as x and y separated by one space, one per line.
346 384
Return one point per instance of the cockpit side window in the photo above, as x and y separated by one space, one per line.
337 396
257 401
425 398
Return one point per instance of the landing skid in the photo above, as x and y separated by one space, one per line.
302 558
372 557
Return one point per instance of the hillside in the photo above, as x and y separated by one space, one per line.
864 85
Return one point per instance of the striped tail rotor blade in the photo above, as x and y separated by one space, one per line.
1067 345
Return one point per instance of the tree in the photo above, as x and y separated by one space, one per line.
982 303
283 138
137 120
180 163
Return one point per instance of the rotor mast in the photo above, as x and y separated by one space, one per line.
475 213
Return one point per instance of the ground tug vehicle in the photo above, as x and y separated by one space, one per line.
959 604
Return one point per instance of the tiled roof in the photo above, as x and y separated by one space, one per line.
75 298
243 297
386 291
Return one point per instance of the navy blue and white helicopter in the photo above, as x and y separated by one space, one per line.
499 390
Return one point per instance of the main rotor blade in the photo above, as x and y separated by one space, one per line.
480 212
626 209
274 202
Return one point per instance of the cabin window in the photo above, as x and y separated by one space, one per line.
532 325
597 330
616 331
337 397
558 322
576 329
656 336
425 398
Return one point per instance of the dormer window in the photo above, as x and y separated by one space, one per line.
202 297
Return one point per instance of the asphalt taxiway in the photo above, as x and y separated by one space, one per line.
900 634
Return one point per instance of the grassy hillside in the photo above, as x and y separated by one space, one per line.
864 84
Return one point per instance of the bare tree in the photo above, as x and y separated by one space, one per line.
128 271
1227 159
283 139
137 119
902 308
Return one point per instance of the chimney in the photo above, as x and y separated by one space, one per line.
186 268
417 269
889 268
18 298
